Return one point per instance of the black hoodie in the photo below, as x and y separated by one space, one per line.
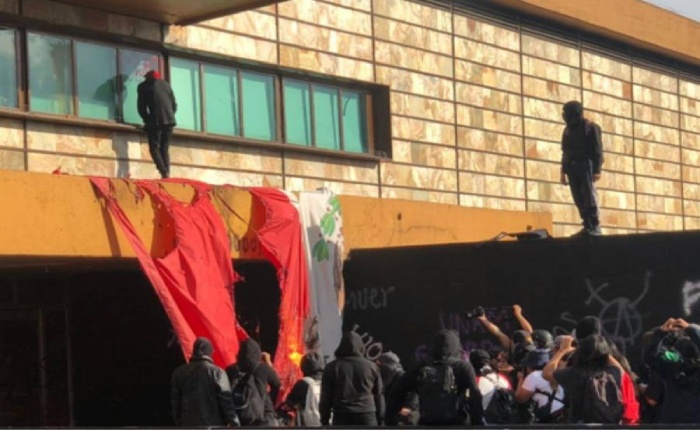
351 384
447 349
249 360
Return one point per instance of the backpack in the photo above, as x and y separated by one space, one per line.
602 399
439 399
544 415
502 408
248 400
310 415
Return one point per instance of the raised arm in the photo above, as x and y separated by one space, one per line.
524 323
496 332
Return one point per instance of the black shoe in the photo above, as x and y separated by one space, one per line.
595 231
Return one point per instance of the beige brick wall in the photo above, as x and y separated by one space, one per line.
475 113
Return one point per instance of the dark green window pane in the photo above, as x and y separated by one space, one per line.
354 122
326 111
50 74
96 68
259 106
184 77
133 66
221 96
8 68
297 112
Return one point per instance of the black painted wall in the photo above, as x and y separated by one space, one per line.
399 297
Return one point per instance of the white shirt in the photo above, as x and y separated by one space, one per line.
487 386
535 382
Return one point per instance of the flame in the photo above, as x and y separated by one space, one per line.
295 357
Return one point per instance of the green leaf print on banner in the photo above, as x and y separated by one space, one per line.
328 224
334 204
321 251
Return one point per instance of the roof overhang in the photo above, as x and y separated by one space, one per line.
181 12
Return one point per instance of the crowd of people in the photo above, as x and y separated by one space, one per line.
532 378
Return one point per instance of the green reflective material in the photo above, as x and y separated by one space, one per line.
354 122
259 120
8 68
96 68
297 112
133 66
50 74
185 81
326 117
221 98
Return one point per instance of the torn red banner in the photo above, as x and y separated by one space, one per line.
283 244
194 280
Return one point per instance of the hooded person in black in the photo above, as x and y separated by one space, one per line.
448 350
351 387
391 371
250 364
157 107
305 395
581 164
200 391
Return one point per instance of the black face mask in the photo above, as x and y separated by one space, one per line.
572 113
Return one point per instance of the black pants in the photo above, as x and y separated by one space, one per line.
159 144
583 191
347 419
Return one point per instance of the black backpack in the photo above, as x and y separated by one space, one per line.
602 399
544 415
440 400
502 408
248 401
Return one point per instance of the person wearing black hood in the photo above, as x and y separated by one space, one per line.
250 364
351 387
306 393
581 164
398 411
442 383
200 391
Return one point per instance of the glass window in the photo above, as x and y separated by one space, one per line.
259 120
297 112
50 74
184 77
8 70
354 118
221 100
133 66
96 69
326 111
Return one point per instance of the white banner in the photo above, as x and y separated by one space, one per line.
323 224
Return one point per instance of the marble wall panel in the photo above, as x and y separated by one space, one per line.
618 163
653 115
419 130
650 78
421 107
550 90
548 192
538 170
657 151
656 222
11 133
411 35
656 133
617 181
472 28
609 199
658 186
550 50
618 218
543 130
605 85
413 59
656 98
690 140
659 204
11 159
326 40
543 150
690 89
488 98
691 174
76 165
223 43
692 223
690 106
551 71
540 109
618 144
487 76
415 13
331 168
691 192
327 15
419 195
691 207
611 124
190 152
489 120
479 183
483 162
403 175
415 83
221 177
365 5
424 154
658 169
690 123
491 203
608 66
326 63
606 104
690 157
251 23
72 140
561 213
486 54
295 184
482 140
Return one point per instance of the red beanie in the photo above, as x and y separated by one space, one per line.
153 74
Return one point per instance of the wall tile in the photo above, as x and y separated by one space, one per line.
606 66
617 181
656 80
11 133
415 13
326 63
550 90
421 107
489 120
662 117
224 43
662 187
690 89
609 199
411 35
221 177
11 159
475 29
414 59
657 169
418 177
491 163
543 150
548 192
690 123
221 156
73 140
656 133
692 223
606 104
655 98
331 168
690 157
551 71
606 85
690 140
658 222
543 48
691 174
618 218
691 192
72 165
660 204
478 183
618 144
561 213
423 131
473 201
488 98
327 15
486 54
618 163
488 141
365 5
423 154
540 109
543 171
419 195
416 83
690 106
326 40
543 130
487 76
610 124
295 184
252 23
657 151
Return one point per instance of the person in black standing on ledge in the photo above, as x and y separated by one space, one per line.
157 107
581 164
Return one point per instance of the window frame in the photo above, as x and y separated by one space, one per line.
19 61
